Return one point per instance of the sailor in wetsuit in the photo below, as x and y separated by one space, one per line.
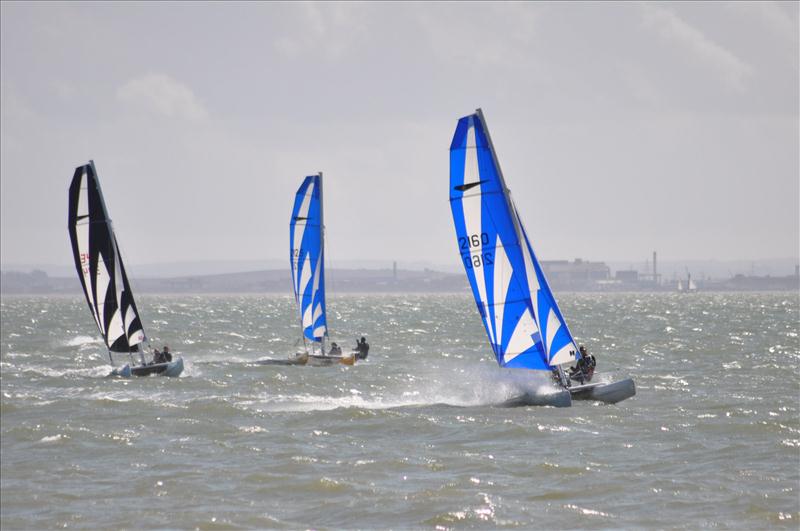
165 355
158 357
336 350
362 349
584 369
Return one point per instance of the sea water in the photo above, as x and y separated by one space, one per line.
411 438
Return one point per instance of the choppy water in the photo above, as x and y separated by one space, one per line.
411 438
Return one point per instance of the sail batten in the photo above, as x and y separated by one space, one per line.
99 264
307 253
522 321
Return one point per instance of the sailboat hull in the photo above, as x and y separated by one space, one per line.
322 361
299 359
172 368
558 399
610 393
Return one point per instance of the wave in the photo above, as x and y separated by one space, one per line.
78 341
96 371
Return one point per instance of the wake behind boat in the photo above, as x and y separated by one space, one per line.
103 279
523 322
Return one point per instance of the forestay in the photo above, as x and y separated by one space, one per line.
99 264
520 314
307 257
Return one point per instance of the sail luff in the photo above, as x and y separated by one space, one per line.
320 313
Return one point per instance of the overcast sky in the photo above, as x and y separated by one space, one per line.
621 128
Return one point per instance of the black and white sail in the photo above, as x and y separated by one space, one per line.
99 264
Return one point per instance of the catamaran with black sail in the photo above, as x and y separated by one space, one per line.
103 278
522 319
307 260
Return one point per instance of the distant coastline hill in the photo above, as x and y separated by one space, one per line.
564 276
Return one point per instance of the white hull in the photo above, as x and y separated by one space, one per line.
172 368
558 398
610 393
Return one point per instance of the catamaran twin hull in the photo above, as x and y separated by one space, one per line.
314 360
610 393
173 368
322 360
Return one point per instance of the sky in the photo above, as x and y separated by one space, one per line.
621 128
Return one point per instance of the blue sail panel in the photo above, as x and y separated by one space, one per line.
306 249
489 243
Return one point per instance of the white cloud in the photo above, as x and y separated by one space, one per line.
162 95
672 28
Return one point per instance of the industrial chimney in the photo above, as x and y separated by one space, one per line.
655 270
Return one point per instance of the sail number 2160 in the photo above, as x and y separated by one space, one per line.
478 259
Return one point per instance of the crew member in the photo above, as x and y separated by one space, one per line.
584 369
362 349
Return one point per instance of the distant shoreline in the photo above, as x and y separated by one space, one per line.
576 277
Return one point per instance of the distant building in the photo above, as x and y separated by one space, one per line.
627 276
578 274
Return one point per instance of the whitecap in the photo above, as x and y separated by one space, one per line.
82 340
52 438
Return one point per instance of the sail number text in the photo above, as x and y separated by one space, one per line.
473 241
478 259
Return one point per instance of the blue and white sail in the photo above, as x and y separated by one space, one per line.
307 253
523 321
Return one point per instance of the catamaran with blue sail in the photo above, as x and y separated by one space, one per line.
307 257
523 322
103 279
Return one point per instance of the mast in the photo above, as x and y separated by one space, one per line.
322 253
506 191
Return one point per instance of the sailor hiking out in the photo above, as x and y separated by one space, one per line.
584 368
362 349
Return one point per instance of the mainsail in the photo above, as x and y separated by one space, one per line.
99 264
523 321
307 249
